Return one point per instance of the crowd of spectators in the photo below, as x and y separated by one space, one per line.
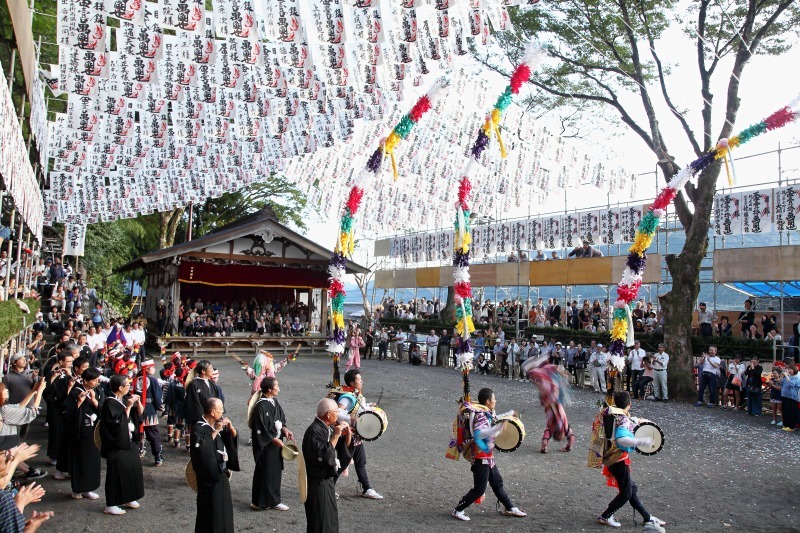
222 319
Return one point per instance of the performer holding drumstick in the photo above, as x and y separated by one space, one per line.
619 441
355 446
484 469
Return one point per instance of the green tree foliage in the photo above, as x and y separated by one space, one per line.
277 191
614 57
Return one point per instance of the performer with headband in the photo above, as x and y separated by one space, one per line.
484 469
355 448
552 394
148 389
618 442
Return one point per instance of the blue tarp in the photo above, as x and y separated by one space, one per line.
791 289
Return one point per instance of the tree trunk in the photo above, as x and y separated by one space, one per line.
678 303
448 313
168 225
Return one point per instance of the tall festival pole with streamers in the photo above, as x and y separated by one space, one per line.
463 238
628 287
345 243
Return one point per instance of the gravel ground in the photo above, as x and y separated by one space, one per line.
719 470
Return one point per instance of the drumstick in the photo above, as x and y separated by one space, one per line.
378 403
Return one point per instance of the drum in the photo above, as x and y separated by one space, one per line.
512 435
371 423
653 432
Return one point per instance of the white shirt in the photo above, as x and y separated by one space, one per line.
635 357
138 336
96 341
660 361
707 364
513 353
598 357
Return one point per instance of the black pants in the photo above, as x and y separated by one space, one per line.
790 413
706 330
481 476
151 433
627 492
634 377
640 385
360 463
382 347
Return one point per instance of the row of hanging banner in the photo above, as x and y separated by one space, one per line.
757 212
537 163
182 103
15 165
598 227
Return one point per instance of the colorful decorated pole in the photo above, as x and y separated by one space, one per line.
628 287
345 243
463 238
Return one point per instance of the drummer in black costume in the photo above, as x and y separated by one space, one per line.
620 440
355 450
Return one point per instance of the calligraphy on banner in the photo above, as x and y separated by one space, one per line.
539 233
756 212
75 238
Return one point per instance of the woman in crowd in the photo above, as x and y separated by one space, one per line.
597 313
733 386
13 417
84 404
646 377
790 394
37 344
724 328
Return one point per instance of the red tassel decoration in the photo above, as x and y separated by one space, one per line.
628 293
463 290
422 106
779 118
663 200
520 76
354 200
336 287
464 192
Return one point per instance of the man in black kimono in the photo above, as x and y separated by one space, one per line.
84 406
319 453
268 423
58 379
124 477
213 456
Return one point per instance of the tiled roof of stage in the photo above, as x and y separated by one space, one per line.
249 225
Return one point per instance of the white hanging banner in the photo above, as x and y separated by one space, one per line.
787 208
728 215
757 212
570 230
76 236
629 219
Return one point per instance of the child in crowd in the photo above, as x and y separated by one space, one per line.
775 396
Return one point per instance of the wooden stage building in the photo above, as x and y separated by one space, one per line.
256 256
